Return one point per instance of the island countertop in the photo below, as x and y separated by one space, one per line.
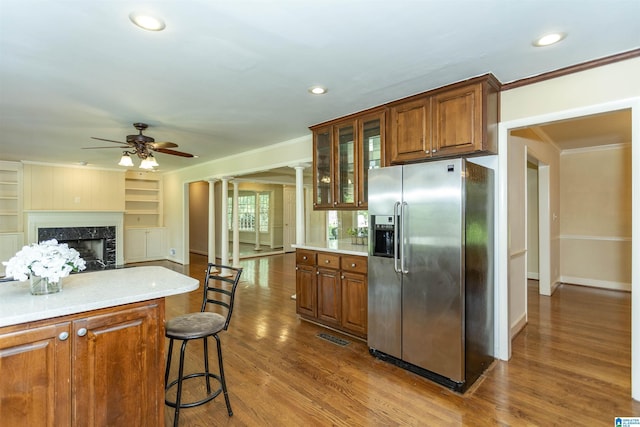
90 291
338 246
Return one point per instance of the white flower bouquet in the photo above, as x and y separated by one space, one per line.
48 259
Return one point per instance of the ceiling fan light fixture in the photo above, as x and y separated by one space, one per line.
147 21
152 160
146 164
125 160
549 39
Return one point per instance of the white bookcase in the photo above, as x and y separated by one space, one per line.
11 226
144 234
142 199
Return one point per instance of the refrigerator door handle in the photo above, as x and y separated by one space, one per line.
403 269
396 214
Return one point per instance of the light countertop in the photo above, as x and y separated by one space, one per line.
343 246
91 291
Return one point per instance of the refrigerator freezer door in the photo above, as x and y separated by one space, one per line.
432 296
385 285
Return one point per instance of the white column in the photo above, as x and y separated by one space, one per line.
300 232
212 221
236 230
224 226
257 222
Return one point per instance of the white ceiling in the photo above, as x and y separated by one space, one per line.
227 76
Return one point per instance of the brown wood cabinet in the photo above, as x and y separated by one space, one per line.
343 152
98 368
331 289
306 283
459 119
410 132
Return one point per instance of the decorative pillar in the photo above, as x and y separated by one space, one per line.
300 231
211 250
236 229
256 223
224 223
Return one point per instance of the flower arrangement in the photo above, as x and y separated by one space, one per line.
49 259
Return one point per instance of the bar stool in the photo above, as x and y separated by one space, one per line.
219 289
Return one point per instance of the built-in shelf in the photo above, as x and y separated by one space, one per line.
143 199
10 197
11 232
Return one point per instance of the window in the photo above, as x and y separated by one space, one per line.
247 211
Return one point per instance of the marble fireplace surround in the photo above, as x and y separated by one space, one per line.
34 220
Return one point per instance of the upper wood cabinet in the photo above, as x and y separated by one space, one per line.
458 119
344 151
410 132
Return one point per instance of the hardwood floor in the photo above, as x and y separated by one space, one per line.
570 365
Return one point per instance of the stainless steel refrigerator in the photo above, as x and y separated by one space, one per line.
430 294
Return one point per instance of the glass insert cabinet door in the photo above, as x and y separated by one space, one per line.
371 151
345 164
323 168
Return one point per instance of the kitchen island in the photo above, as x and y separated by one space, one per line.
92 354
331 285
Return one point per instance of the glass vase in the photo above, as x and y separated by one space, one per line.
43 286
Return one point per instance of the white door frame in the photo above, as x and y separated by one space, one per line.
503 341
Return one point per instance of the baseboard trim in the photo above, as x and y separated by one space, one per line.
594 283
518 325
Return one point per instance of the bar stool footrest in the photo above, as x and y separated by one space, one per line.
209 397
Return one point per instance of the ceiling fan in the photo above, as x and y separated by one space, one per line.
142 146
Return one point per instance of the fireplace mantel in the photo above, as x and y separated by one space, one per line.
51 219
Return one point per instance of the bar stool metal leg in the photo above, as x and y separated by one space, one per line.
223 383
180 378
206 364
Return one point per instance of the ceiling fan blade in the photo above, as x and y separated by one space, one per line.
108 140
173 152
156 145
94 148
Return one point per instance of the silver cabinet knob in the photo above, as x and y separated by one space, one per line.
353 265
342 277
326 261
433 151
63 336
317 273
304 258
82 332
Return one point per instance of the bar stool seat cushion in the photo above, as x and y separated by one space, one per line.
194 325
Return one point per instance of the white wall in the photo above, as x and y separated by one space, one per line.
532 221
596 216
198 217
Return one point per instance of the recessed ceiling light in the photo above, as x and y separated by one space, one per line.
147 21
318 90
549 39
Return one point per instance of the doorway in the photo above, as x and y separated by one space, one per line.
561 238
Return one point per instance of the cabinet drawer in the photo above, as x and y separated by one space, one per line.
328 260
305 257
356 264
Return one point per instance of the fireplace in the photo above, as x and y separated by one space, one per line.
97 245
97 235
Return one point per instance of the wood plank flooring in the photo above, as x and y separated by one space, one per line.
570 365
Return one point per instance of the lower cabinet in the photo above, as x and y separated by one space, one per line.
98 368
143 244
331 289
